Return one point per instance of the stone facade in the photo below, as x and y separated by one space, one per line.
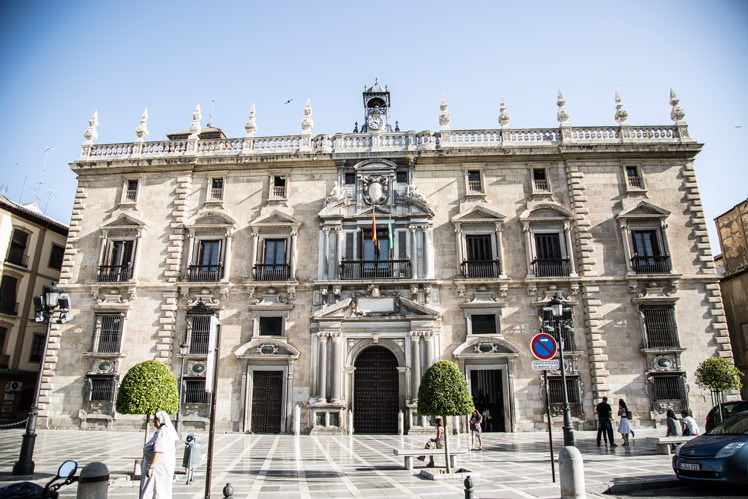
731 228
276 239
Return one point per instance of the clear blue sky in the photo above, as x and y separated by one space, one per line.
63 60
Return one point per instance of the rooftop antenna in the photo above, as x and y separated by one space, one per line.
46 151
20 196
50 195
212 106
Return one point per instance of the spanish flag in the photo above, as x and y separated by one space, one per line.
374 233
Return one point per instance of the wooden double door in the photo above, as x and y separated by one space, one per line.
267 401
376 389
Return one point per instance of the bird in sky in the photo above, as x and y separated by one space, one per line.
289 100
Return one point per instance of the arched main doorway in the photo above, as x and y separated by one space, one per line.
375 398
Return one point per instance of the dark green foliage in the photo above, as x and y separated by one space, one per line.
148 387
444 391
718 375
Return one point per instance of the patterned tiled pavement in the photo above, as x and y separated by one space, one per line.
512 465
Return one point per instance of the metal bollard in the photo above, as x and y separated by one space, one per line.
468 488
228 492
93 482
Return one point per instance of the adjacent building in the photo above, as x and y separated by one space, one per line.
32 245
340 267
732 228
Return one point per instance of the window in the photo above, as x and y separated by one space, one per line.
633 178
668 387
350 179
55 257
37 348
402 177
271 326
278 187
367 258
480 261
8 287
659 326
130 191
101 388
647 251
549 260
483 324
17 250
117 263
573 393
540 181
475 184
198 333
107 336
194 391
208 267
3 334
216 189
273 266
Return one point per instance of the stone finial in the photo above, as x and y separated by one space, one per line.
91 134
563 113
444 116
503 114
195 123
251 126
307 125
621 113
677 114
142 130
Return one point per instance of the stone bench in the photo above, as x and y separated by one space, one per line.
137 467
663 443
409 454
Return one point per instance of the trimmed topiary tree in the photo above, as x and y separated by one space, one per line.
444 392
718 375
147 388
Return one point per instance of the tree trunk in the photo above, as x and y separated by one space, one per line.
446 444
145 438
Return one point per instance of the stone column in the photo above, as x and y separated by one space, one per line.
569 249
136 255
460 251
227 256
321 259
338 251
336 366
413 253
626 246
326 251
253 253
415 360
428 338
529 248
428 252
190 248
294 254
500 248
665 245
102 246
322 337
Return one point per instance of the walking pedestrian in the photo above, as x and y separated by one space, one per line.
624 428
159 459
604 425
475 430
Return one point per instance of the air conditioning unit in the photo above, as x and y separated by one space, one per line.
13 386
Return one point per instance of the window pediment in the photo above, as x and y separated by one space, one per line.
546 212
485 347
267 348
123 223
478 215
275 220
643 210
210 219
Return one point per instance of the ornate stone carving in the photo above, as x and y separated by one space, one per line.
337 194
376 189
195 123
677 114
503 114
251 126
307 125
444 116
563 113
142 130
621 113
411 191
91 134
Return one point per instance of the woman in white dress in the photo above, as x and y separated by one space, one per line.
159 459
623 427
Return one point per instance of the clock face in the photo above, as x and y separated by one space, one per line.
375 122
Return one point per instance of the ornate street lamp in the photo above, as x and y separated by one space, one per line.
182 353
47 306
559 313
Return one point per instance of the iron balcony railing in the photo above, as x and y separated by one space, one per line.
375 269
17 256
475 186
651 264
114 273
102 389
8 307
573 393
567 336
271 272
659 324
109 342
542 185
194 392
216 193
551 268
668 387
476 269
204 273
279 191
636 182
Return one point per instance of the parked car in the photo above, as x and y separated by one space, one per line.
728 410
720 455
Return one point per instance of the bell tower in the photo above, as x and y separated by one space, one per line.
376 109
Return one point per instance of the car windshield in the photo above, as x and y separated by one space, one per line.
736 425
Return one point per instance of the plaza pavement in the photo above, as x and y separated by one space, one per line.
512 465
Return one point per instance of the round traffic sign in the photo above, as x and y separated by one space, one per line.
543 346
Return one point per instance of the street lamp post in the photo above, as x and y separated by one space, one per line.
182 353
47 305
559 312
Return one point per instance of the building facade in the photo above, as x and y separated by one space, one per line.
732 229
340 267
33 246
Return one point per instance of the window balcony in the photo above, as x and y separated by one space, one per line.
567 337
551 268
114 273
477 269
204 273
542 185
17 256
271 272
8 307
651 264
375 269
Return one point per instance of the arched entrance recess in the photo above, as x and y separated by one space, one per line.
375 399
